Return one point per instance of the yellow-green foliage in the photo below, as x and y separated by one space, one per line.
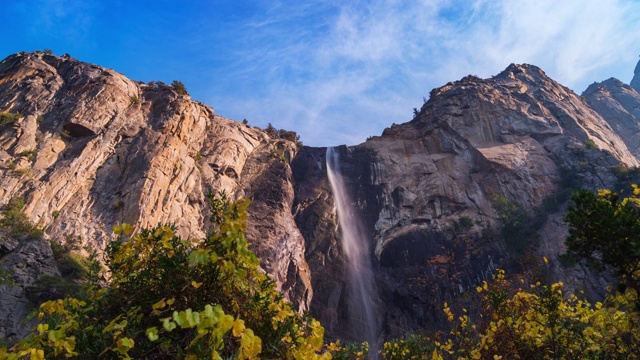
533 322
349 351
171 298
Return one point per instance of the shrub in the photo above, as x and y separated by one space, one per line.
519 227
533 321
118 203
17 222
178 86
350 351
66 134
8 118
39 119
55 214
412 346
71 263
29 154
277 153
134 100
283 134
603 229
168 297
463 224
590 144
23 172
6 278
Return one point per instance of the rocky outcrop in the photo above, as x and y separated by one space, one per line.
93 149
617 103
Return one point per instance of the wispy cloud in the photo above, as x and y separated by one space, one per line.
70 19
334 71
374 60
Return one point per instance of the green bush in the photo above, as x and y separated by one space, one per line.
29 154
8 118
23 171
519 227
6 278
412 346
178 86
350 351
283 134
463 224
17 222
71 263
590 144
522 320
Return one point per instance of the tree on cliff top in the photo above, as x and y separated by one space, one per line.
179 87
292 136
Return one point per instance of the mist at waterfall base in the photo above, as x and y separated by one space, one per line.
361 294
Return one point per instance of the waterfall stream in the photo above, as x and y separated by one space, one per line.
361 295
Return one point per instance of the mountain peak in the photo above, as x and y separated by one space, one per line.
521 68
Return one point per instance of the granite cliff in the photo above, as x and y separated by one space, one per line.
428 191
93 149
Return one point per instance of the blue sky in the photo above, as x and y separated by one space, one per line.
334 71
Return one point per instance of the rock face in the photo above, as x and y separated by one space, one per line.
513 136
22 263
618 103
93 149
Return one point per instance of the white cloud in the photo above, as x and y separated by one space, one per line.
63 18
367 64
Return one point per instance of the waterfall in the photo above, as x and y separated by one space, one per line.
362 295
